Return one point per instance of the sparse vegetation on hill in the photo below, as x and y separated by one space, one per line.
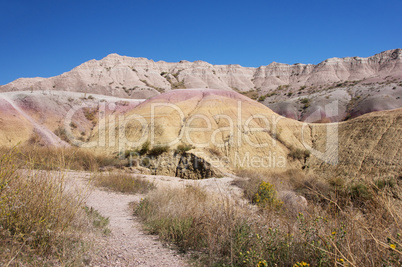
297 153
305 102
183 148
253 94
158 150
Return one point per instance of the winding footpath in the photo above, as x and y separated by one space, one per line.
127 244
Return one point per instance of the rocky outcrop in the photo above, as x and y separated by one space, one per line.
139 77
183 165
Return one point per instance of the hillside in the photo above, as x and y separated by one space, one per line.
360 85
225 128
231 132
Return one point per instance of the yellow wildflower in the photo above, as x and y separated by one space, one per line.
392 246
300 264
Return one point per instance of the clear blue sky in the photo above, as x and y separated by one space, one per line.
47 38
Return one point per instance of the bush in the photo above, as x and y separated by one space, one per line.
181 149
62 134
305 102
144 148
334 230
158 150
98 221
297 153
266 196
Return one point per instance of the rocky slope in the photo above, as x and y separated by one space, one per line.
360 85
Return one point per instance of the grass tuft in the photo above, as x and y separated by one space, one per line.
123 182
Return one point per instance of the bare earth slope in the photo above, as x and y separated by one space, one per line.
369 147
38 115
231 131
360 85
227 129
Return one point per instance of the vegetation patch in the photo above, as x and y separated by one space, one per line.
297 153
41 223
98 221
158 150
122 182
50 158
266 196
335 229
181 149
306 102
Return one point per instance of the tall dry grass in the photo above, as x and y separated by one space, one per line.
41 220
122 182
345 224
51 158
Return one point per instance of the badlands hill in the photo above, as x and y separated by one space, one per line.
227 130
359 85
232 131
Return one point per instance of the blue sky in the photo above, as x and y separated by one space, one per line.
47 38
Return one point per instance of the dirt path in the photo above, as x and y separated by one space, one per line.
127 244
48 135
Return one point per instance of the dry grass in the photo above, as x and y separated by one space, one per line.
345 224
122 182
41 221
192 219
50 158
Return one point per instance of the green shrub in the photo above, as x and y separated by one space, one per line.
158 150
384 183
266 196
144 148
181 149
305 102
